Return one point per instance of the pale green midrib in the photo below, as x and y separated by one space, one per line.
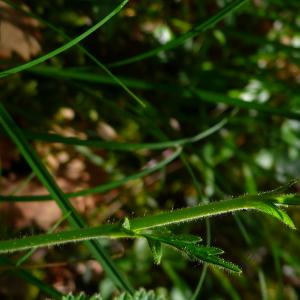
187 35
137 224
65 47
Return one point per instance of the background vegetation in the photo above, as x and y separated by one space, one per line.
227 70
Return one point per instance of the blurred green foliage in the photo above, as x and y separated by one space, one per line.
246 68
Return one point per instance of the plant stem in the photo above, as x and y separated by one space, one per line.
63 202
148 222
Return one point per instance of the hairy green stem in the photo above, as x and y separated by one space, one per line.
256 202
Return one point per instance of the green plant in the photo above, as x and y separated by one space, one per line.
213 169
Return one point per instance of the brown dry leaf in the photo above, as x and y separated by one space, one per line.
17 34
42 214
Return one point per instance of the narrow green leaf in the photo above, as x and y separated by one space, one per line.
156 249
101 188
213 97
163 234
45 177
282 189
214 251
288 199
205 254
23 258
203 95
83 49
54 138
271 209
82 75
231 7
125 224
190 246
65 47
30 278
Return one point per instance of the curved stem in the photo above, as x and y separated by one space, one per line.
231 7
97 189
194 213
138 224
65 47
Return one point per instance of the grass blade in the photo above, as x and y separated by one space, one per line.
213 97
98 189
73 217
203 95
234 5
27 276
54 138
23 258
65 47
68 73
83 49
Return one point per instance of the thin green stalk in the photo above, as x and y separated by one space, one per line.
199 286
197 291
30 278
231 7
262 203
203 95
22 184
120 147
82 75
54 138
263 285
225 283
242 228
213 97
27 276
83 49
278 270
193 176
26 256
98 189
177 281
65 47
45 177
